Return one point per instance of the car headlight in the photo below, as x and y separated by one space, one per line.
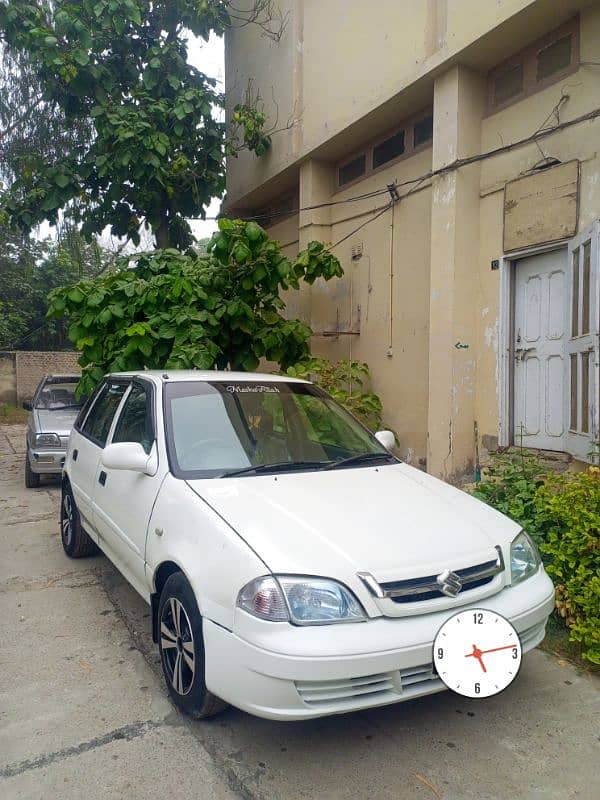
301 601
47 440
524 558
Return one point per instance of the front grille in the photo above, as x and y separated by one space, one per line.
368 687
427 588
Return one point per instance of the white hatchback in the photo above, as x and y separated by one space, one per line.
294 566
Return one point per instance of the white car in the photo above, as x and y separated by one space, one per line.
294 567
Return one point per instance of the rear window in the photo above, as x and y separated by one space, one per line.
58 394
101 415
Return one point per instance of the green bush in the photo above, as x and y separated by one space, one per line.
511 484
345 381
569 511
562 514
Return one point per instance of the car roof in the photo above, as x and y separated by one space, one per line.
162 376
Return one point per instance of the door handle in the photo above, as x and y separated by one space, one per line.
520 352
75 454
102 478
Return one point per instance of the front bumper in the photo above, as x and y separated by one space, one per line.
44 461
278 671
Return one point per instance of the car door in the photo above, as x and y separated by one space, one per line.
123 499
88 437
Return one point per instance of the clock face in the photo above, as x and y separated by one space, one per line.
477 653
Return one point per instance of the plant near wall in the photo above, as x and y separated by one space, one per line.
346 382
510 484
167 309
569 511
562 514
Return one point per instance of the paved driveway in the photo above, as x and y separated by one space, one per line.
83 713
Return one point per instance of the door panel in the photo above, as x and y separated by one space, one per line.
539 351
82 474
582 346
123 499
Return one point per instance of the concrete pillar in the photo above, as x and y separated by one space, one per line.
459 102
316 187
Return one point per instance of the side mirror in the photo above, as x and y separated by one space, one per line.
128 455
386 438
27 405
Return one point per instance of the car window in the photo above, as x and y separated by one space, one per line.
135 421
55 395
100 417
215 427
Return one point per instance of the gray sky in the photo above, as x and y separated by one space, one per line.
208 57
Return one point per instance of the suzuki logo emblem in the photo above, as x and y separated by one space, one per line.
449 582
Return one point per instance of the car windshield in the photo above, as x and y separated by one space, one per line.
217 428
55 395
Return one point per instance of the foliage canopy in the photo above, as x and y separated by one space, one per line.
156 149
167 309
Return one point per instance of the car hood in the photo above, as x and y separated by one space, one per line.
58 420
393 521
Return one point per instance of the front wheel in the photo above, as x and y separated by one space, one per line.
181 647
32 479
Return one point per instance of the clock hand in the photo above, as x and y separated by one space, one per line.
494 649
477 653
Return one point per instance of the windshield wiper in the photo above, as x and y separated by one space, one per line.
361 458
279 466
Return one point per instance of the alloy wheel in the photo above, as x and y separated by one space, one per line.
177 646
67 519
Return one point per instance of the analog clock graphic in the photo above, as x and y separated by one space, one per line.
477 653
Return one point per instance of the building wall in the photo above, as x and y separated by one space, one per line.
423 312
343 66
21 371
581 142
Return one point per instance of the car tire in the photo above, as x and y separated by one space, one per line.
181 648
32 479
75 541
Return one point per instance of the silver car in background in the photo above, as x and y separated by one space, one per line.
54 409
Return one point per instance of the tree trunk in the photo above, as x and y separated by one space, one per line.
162 234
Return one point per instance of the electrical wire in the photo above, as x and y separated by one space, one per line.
540 133
291 211
382 211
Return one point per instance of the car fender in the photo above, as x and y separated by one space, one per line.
216 561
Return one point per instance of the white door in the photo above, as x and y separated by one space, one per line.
123 499
540 338
582 345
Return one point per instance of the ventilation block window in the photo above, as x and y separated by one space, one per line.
543 62
556 57
352 170
423 131
388 150
508 84
414 133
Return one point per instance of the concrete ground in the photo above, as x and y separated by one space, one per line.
83 713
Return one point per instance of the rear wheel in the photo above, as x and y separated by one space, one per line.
32 479
181 647
75 541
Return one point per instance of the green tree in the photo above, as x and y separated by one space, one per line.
31 268
156 151
167 309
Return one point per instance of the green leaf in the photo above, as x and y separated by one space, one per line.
62 180
81 57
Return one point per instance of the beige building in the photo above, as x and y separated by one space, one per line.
474 297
